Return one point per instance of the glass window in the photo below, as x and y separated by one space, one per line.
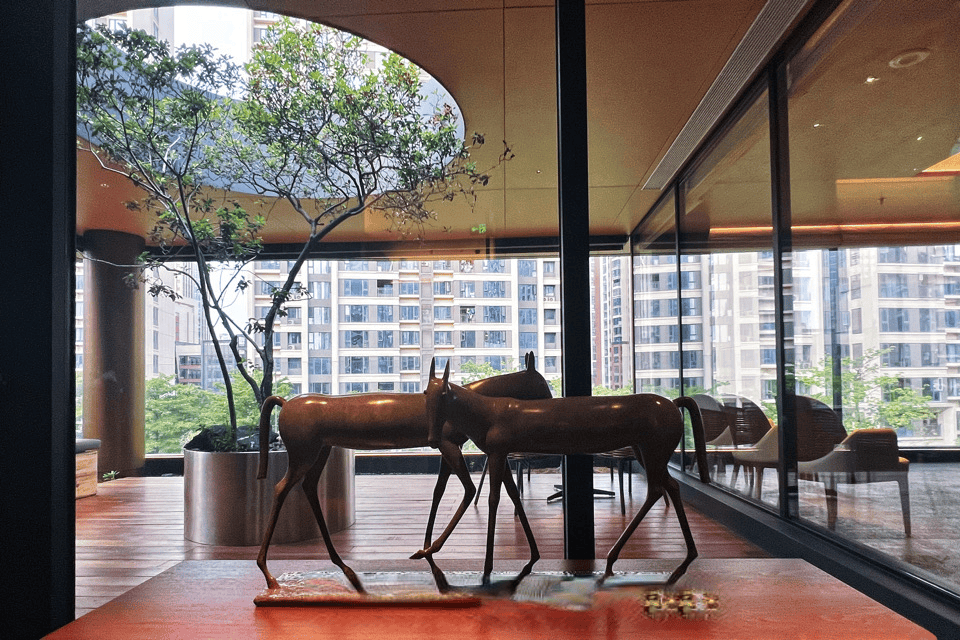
870 149
443 313
355 313
356 339
494 338
355 287
384 288
410 363
384 313
494 289
494 314
385 364
527 316
409 338
320 366
409 312
384 339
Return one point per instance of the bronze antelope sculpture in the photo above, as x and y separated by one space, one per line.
651 424
311 424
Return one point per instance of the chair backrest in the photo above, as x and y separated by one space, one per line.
715 419
819 429
748 423
874 449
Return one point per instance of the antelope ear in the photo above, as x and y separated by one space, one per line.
529 360
433 367
446 373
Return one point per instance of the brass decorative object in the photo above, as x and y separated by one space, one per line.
310 424
652 425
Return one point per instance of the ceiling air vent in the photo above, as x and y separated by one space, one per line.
764 34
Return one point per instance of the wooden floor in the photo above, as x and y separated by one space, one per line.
132 530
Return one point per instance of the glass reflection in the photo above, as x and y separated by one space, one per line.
874 120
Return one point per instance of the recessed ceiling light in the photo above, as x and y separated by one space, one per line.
909 58
871 80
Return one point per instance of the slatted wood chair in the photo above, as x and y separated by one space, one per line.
818 431
866 455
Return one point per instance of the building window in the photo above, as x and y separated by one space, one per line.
355 313
527 268
409 288
409 338
493 266
549 316
494 314
385 364
320 290
468 289
443 313
294 366
293 339
409 312
384 339
495 289
320 340
409 387
385 386
320 366
443 338
320 387
467 313
410 363
356 364
494 338
527 292
384 288
356 287
528 340
319 315
468 339
527 316
356 339
443 288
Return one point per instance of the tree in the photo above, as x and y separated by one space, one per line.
871 398
173 412
150 115
312 126
473 371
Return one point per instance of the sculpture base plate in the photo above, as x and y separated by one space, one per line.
418 589
325 588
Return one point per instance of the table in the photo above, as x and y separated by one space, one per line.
759 598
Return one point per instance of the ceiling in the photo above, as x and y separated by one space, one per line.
649 65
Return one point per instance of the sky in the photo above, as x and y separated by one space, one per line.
225 29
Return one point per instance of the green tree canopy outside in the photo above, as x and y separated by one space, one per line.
870 398
310 124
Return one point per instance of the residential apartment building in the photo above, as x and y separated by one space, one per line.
903 303
374 325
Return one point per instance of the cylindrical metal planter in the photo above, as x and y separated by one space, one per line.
224 503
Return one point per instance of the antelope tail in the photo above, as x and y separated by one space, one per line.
265 411
699 441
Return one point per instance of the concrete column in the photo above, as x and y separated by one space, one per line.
113 351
